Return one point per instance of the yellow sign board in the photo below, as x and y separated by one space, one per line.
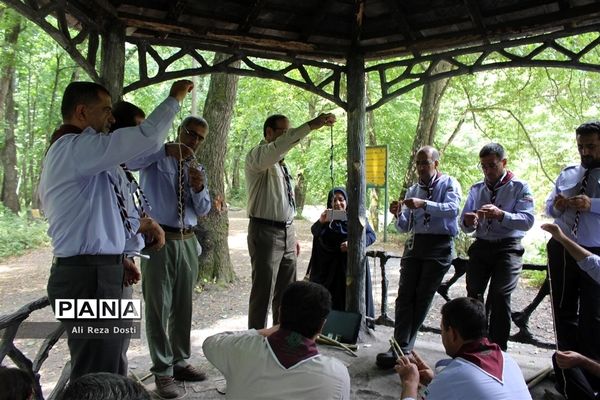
376 165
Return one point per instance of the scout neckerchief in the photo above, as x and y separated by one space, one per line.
506 178
428 189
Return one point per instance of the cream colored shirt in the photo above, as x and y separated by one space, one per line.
253 372
267 192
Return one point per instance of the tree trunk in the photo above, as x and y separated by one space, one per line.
427 125
8 154
236 165
51 124
300 192
215 263
355 275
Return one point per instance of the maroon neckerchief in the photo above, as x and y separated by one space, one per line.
494 188
485 355
63 130
290 347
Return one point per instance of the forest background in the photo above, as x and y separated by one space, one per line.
532 112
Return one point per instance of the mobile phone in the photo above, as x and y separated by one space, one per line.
336 215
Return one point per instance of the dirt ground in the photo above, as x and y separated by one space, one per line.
23 279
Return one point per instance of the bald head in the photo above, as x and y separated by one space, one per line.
427 161
430 152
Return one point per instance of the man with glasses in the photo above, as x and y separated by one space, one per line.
428 212
499 210
575 205
271 208
175 187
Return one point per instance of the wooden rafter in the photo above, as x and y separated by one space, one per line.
328 87
175 10
252 15
483 59
40 15
318 16
475 15
402 22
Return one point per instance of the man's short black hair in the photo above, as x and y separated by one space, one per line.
304 308
271 122
102 386
493 148
467 316
588 128
15 384
80 93
125 114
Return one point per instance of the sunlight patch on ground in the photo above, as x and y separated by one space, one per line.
232 324
238 241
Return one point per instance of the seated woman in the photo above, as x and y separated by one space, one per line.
328 260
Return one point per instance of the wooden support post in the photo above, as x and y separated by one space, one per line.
356 186
112 69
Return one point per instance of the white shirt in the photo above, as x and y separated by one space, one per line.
253 372
462 380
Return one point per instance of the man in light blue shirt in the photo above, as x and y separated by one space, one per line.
499 210
429 213
178 195
83 200
575 205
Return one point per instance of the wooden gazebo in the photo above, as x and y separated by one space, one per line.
400 42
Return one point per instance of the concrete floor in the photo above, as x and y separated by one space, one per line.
368 382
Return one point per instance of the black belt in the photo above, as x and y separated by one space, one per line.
501 241
433 236
276 224
176 230
90 259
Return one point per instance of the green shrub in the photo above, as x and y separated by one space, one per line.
19 234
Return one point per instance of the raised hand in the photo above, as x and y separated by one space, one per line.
180 89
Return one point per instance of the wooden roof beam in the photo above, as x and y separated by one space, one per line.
251 16
565 4
402 22
316 19
475 15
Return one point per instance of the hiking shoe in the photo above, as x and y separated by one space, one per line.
188 373
166 387
386 360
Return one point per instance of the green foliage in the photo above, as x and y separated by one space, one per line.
532 112
18 234
534 278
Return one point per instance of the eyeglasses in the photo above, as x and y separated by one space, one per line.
423 163
484 166
193 134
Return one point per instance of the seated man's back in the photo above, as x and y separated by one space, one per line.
282 362
254 371
462 379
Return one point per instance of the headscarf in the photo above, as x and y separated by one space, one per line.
337 226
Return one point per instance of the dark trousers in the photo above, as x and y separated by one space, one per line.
273 257
575 383
89 281
498 263
576 303
421 272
